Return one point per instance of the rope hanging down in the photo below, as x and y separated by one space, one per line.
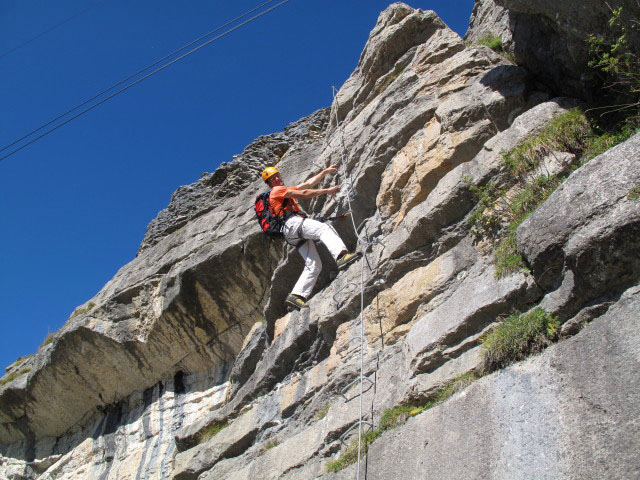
140 79
363 244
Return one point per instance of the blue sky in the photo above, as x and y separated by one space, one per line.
75 205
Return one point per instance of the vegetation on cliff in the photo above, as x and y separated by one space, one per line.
533 177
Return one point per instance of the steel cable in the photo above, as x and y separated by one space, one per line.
140 79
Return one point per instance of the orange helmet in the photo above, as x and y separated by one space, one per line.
269 172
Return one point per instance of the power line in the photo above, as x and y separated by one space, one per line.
53 27
140 79
134 75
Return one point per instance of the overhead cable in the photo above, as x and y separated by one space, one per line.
53 27
135 75
117 92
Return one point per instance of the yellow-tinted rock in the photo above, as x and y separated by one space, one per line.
391 312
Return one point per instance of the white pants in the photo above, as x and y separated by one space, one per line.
311 230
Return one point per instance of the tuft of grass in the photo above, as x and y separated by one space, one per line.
497 215
274 442
485 219
492 41
211 431
506 258
607 140
634 193
570 132
517 337
13 376
48 340
397 416
80 311
350 454
322 412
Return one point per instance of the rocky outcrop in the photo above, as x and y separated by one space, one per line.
586 251
191 337
549 38
212 189
565 414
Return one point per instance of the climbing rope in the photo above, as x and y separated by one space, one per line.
363 244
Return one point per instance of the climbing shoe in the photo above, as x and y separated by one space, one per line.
295 302
347 259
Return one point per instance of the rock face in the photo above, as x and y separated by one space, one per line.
549 37
211 191
185 366
595 245
578 407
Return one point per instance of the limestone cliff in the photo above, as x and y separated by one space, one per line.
169 372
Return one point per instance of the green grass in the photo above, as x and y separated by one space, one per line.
274 442
211 431
506 258
497 216
492 41
396 416
570 132
48 340
634 193
517 337
486 196
13 376
321 413
350 454
80 311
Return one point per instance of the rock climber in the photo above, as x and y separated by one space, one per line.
301 231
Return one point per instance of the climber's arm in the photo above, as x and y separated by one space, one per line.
313 181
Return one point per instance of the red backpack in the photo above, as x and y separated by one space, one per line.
270 223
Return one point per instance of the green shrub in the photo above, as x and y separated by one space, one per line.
612 55
211 431
517 337
634 193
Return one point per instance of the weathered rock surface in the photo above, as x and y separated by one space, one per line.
571 412
192 201
549 37
178 340
588 232
490 20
